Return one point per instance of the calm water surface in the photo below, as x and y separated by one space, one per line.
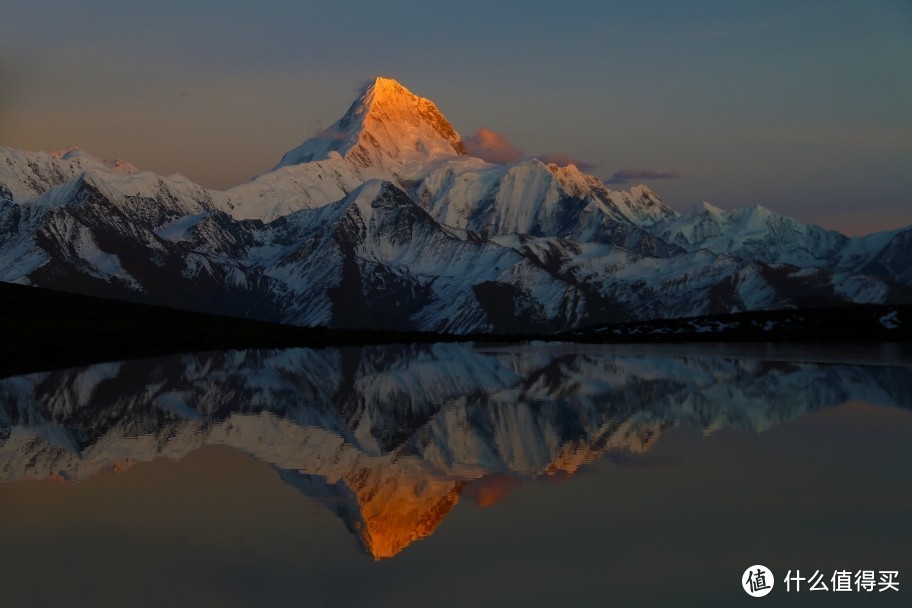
456 475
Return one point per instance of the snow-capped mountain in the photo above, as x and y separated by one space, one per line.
27 174
755 233
388 127
384 221
392 437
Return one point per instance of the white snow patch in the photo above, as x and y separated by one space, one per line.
890 320
178 230
177 402
18 260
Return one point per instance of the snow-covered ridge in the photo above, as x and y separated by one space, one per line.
27 174
383 221
755 233
117 165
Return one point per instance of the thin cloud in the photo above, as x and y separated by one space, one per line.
495 147
562 160
365 84
492 147
625 175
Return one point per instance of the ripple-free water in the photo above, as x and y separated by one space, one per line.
454 475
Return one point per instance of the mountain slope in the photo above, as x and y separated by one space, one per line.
383 221
27 174
755 233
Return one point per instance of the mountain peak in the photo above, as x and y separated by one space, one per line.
119 165
703 208
387 88
386 126
68 153
71 153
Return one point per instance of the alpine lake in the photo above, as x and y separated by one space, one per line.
533 474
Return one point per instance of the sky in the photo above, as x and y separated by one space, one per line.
803 107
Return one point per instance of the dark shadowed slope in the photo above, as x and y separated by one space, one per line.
44 329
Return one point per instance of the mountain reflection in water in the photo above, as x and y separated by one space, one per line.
390 438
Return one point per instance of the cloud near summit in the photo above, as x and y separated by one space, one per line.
562 160
494 147
626 175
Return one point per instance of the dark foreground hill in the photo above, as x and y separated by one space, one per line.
45 329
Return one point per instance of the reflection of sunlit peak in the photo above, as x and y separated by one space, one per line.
121 466
393 468
572 456
490 489
636 438
570 461
63 477
398 510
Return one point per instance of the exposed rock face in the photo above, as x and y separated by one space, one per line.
383 221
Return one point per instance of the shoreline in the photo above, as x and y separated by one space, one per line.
45 329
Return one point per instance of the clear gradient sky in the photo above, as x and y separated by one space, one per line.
802 106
